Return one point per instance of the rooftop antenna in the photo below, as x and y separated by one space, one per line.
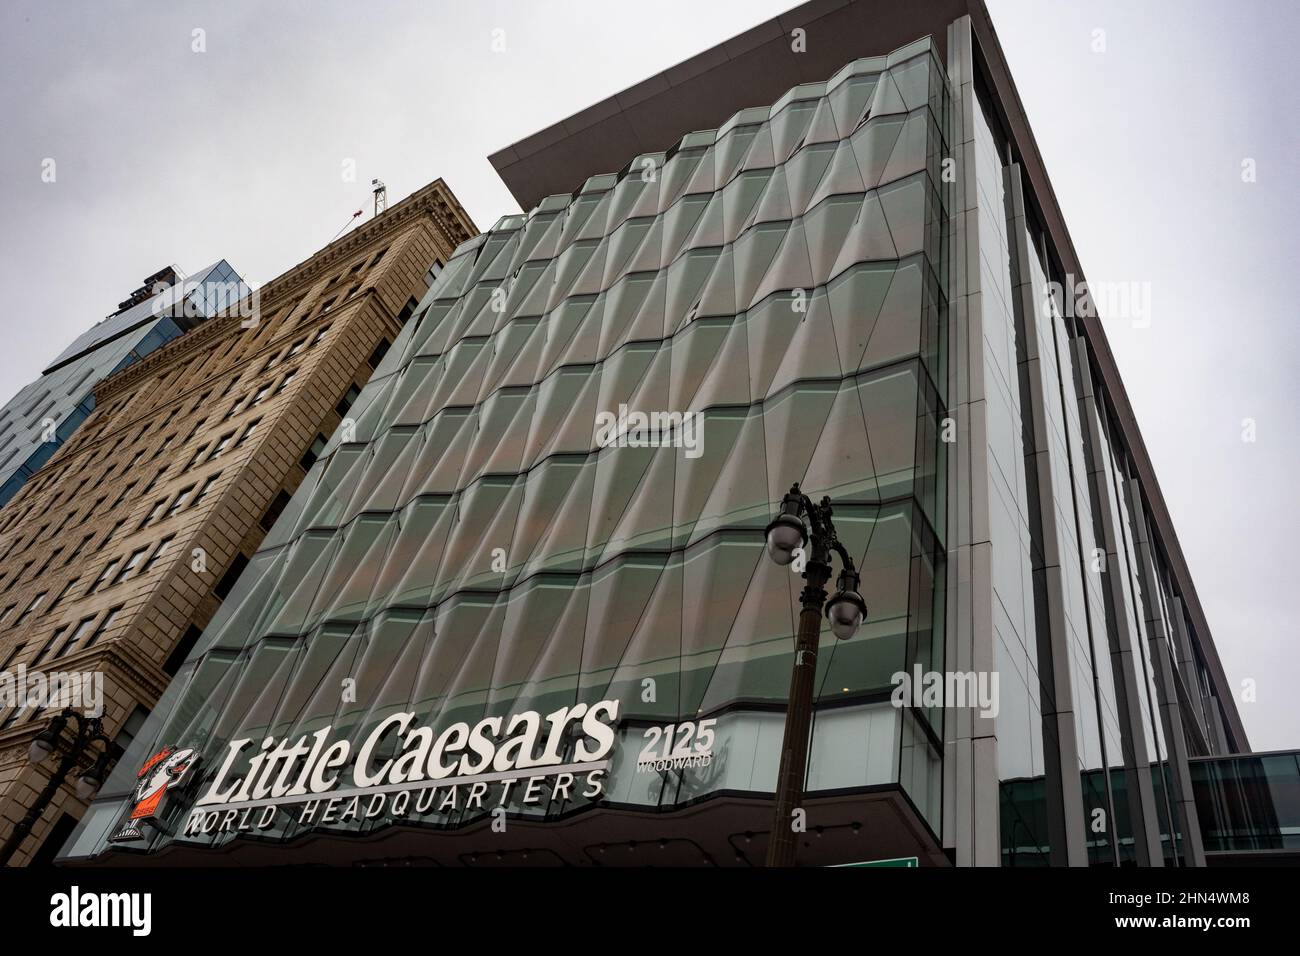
351 219
381 195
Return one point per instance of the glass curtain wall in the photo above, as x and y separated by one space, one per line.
467 545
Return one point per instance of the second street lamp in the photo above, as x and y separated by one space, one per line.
803 524
87 731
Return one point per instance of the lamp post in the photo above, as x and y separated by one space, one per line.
803 524
89 730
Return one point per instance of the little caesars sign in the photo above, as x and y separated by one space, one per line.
464 768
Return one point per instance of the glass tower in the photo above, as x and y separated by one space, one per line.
36 421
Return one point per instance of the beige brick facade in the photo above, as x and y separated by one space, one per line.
123 538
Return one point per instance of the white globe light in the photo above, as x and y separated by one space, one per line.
784 535
86 786
846 612
38 750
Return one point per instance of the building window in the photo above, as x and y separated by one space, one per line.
407 310
19 714
181 651
64 523
163 547
222 590
109 620
346 401
112 532
63 592
248 432
181 498
222 444
313 452
83 628
206 487
154 514
47 562
378 354
50 648
124 493
131 727
36 602
276 509
13 655
131 564
194 431
154 480
19 576
76 551
167 443
104 575
284 382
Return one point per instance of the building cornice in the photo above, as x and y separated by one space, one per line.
433 202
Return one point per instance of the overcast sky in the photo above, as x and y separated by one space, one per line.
164 155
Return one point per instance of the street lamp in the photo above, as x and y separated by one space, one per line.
44 743
89 730
800 523
93 778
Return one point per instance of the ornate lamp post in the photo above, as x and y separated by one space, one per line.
803 524
89 730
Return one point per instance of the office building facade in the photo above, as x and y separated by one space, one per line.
522 614
121 548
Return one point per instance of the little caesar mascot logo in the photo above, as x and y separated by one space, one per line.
164 771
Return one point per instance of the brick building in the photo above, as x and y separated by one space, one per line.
115 555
